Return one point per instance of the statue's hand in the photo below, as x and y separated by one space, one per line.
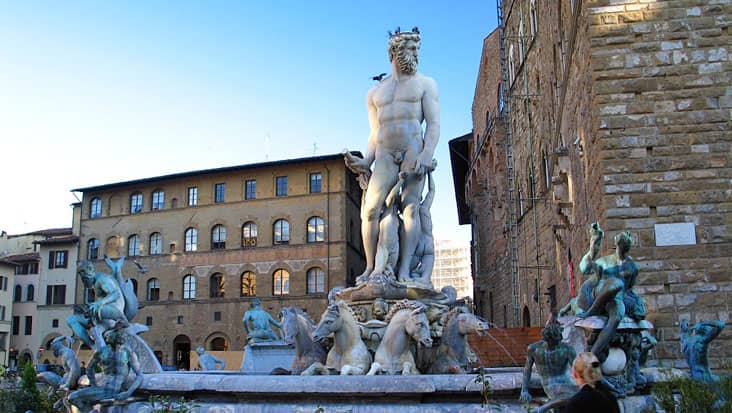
358 165
525 396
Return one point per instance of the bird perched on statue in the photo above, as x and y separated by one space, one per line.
140 268
379 78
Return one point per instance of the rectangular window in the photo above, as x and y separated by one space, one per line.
250 189
217 315
180 319
220 194
57 259
28 325
55 294
158 200
316 183
193 196
281 186
54 323
2 313
16 325
148 321
135 203
3 283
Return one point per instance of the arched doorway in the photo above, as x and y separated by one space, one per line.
182 352
526 317
217 342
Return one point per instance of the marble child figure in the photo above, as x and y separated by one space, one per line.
397 107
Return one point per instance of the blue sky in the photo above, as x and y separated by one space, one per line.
101 92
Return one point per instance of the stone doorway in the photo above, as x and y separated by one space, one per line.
182 352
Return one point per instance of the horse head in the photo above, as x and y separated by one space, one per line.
470 323
418 326
330 322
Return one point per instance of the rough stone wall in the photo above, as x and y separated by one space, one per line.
631 101
486 190
664 98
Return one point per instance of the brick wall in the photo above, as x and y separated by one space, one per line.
505 346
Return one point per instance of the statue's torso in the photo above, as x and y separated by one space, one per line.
399 113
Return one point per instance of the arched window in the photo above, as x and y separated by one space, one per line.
30 293
191 240
134 285
217 285
249 234
95 208
526 317
153 289
133 246
316 230
156 243
17 293
158 200
281 282
316 281
135 203
189 287
511 65
248 284
281 231
218 237
532 11
218 344
112 247
92 249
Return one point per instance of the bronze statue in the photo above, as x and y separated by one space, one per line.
120 370
257 324
553 360
208 361
695 343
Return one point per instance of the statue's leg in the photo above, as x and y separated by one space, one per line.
607 290
78 324
383 178
616 312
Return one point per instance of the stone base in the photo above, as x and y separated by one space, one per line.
262 358
236 392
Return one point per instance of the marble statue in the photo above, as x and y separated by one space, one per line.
349 355
121 372
379 309
695 343
208 362
93 319
454 354
553 360
397 107
387 247
407 325
423 260
298 328
69 362
257 324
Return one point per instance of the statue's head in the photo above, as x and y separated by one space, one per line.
404 47
255 303
200 350
623 241
87 273
552 333
116 336
379 309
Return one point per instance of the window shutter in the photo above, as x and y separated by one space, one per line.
49 294
51 259
66 259
62 294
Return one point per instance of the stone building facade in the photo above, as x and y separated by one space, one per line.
619 112
201 245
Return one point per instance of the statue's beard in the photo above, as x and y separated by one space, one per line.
407 62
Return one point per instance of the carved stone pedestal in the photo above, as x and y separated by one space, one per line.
262 358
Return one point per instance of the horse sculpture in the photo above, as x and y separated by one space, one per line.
349 354
298 329
452 355
407 323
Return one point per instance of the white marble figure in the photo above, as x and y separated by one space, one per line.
207 362
397 106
